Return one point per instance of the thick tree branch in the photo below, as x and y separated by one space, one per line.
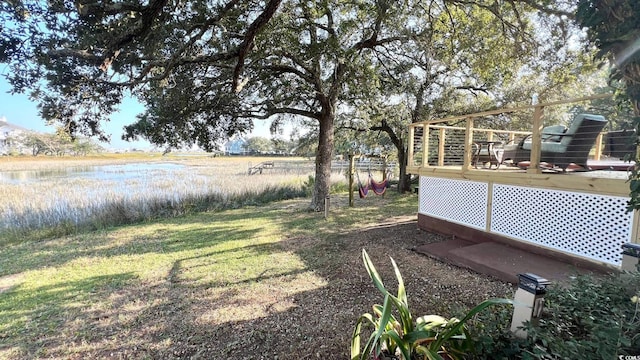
372 43
313 76
285 69
271 111
353 128
472 88
384 127
178 56
100 7
148 15
247 44
77 54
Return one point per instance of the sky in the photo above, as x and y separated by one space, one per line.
20 110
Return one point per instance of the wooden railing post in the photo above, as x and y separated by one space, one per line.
441 136
536 141
410 146
598 146
352 170
425 146
468 145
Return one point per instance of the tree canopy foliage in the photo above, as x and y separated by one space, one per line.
259 145
469 59
80 58
57 144
206 69
614 27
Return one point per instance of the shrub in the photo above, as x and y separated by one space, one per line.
336 186
589 318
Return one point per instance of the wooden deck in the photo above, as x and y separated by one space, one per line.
578 212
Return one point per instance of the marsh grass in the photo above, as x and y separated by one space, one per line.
39 210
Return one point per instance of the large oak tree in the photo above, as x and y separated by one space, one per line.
206 69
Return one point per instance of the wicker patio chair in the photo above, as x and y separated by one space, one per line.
561 148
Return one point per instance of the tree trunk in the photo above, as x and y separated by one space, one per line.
404 179
323 162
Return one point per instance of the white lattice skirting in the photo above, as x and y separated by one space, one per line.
463 202
582 224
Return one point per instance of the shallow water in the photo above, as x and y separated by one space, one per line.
36 199
101 172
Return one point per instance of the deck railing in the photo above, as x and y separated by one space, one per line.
445 143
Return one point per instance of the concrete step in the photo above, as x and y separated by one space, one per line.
440 250
500 260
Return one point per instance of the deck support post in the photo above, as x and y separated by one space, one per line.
441 140
327 202
598 149
352 166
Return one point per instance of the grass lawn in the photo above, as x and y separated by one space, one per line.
253 283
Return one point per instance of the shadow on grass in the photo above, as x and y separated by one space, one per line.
167 236
242 284
34 319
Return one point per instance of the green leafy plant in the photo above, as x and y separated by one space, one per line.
586 318
396 331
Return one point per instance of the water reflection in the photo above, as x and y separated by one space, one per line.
101 172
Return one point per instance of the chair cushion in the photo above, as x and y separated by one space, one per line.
549 146
550 134
553 133
554 147
594 125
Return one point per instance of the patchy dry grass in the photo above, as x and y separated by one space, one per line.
272 282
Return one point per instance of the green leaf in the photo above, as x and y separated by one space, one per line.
373 273
433 355
456 329
404 346
384 319
428 322
402 295
432 329
405 315
355 339
419 336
